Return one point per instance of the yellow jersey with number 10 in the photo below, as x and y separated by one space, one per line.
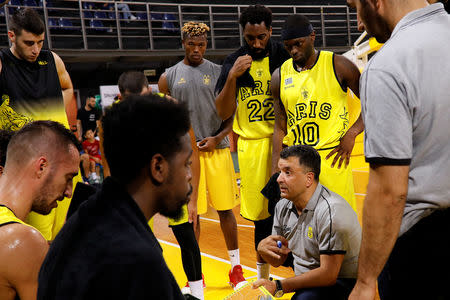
315 104
255 116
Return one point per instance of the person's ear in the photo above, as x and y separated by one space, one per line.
1 170
41 166
309 179
159 168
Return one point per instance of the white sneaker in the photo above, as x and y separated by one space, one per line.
132 17
186 290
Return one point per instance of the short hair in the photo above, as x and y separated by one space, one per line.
5 137
151 124
132 82
39 137
190 29
27 19
256 14
307 157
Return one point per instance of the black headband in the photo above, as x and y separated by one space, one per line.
296 32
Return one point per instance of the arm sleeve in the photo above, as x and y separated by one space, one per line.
387 119
331 233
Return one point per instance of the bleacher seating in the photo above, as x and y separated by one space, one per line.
29 3
52 22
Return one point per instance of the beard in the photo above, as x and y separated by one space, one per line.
257 54
177 212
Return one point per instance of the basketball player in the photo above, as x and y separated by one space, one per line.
192 80
310 92
244 90
106 250
44 155
34 85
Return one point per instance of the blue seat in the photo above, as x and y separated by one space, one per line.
52 22
156 16
15 2
97 24
88 14
168 24
101 15
87 5
65 23
141 16
29 3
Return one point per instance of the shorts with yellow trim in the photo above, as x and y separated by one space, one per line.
49 225
340 180
255 160
217 183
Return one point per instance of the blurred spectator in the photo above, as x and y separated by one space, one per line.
124 8
88 117
91 167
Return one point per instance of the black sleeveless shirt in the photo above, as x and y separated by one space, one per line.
29 91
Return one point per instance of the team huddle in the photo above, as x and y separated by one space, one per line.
288 104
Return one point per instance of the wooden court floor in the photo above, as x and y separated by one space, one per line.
215 261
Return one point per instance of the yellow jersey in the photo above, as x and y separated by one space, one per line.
315 104
7 216
255 116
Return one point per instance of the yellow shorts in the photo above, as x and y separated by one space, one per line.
339 181
255 159
217 183
49 225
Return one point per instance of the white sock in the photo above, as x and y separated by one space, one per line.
197 289
234 257
263 270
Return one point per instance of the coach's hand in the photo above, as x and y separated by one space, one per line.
207 144
242 64
269 285
270 251
343 150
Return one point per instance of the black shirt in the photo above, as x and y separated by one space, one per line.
29 90
106 250
88 119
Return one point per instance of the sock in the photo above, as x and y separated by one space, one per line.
234 257
263 270
197 289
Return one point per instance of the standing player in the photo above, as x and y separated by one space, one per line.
244 90
192 80
34 85
310 92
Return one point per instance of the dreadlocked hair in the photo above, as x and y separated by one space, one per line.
194 29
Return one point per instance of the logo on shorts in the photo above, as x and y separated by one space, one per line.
310 232
206 79
181 81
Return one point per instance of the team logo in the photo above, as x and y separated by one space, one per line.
288 81
305 94
206 79
181 81
259 72
310 232
42 62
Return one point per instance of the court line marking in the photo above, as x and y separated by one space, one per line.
220 259
360 194
217 221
